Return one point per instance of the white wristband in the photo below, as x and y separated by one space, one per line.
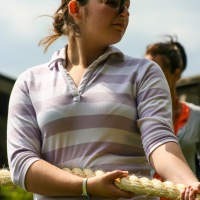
85 193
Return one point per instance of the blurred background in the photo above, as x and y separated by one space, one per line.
22 27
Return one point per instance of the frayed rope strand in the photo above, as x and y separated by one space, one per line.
5 178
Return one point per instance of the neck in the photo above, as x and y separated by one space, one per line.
83 54
177 108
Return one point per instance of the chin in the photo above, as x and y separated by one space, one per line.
116 41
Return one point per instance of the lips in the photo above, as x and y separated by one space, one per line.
120 24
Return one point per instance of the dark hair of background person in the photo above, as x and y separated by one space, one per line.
173 52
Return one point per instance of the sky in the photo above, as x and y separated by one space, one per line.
22 27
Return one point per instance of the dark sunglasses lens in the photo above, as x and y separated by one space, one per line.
113 3
116 4
121 7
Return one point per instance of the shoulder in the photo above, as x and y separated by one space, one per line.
193 107
45 69
141 66
129 60
194 112
144 66
146 69
33 72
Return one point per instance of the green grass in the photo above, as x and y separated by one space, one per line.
14 193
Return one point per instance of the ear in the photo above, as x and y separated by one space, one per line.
73 7
178 73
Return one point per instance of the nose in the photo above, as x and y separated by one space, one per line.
124 11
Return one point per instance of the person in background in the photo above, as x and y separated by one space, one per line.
170 55
93 107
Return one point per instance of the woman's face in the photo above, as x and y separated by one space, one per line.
102 22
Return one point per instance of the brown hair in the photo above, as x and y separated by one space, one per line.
63 23
173 52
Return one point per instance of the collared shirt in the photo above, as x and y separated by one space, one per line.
188 134
114 119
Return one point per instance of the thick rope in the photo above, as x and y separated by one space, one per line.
130 183
5 178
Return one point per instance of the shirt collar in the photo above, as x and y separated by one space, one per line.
59 55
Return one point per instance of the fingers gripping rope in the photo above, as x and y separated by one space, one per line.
130 183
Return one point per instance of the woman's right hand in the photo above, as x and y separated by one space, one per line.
103 186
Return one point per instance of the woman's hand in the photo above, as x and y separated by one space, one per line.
190 192
103 186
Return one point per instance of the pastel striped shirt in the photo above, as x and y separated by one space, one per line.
114 119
